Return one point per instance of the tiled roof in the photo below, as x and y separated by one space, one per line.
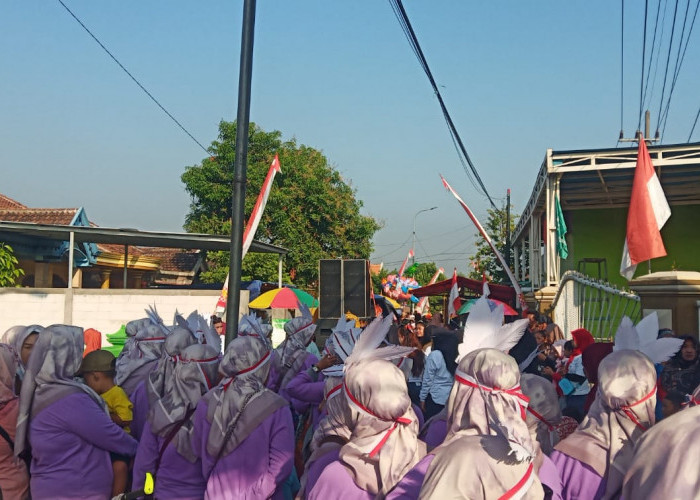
174 259
62 216
7 202
119 249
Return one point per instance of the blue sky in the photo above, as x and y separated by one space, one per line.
518 78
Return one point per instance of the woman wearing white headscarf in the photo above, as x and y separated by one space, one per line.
592 461
384 443
177 469
488 450
141 352
543 415
65 423
14 480
243 432
22 339
665 461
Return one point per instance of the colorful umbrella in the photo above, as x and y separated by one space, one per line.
283 298
493 303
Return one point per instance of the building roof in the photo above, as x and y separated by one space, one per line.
122 236
7 203
174 259
63 216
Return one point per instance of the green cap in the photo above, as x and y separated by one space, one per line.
98 361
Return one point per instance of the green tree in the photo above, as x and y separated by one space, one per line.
9 269
485 259
311 210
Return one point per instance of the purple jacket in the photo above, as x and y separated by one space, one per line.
257 467
71 440
549 476
336 482
175 478
299 406
578 479
434 434
307 388
139 399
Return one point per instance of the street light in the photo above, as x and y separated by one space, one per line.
413 247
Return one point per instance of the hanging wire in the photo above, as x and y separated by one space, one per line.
668 58
692 129
622 71
134 78
405 23
651 56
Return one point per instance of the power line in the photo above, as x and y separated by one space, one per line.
651 56
402 17
692 129
133 77
668 58
622 68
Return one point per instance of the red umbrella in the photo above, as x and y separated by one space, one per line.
493 303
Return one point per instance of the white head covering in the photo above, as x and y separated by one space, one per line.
194 372
665 460
8 369
543 411
54 361
384 444
15 337
141 350
252 326
198 325
240 403
623 409
291 353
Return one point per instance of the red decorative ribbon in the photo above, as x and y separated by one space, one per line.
303 328
334 391
388 432
262 360
514 391
520 484
630 414
540 418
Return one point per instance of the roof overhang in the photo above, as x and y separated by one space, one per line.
131 237
602 178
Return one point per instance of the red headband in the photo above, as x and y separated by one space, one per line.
515 391
540 418
630 414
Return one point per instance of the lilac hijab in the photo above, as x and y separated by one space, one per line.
8 369
240 403
623 409
291 353
54 361
15 337
141 350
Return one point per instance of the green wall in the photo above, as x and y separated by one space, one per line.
600 233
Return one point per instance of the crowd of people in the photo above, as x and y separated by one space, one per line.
399 408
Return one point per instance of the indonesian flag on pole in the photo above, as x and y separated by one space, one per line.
454 302
403 266
252 224
648 212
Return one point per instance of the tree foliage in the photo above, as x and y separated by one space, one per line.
312 210
9 268
485 261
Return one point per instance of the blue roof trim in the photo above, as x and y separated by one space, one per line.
85 253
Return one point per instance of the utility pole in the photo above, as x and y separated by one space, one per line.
647 131
233 300
413 247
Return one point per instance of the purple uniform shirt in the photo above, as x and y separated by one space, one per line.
317 466
578 479
71 440
257 467
304 389
335 482
299 406
139 400
176 477
435 433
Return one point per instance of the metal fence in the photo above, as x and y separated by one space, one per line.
597 306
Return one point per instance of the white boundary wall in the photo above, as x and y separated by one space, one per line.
105 310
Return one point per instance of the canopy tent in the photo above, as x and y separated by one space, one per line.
503 293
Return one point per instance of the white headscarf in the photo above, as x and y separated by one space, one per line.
240 403
384 444
54 361
291 353
194 372
15 337
543 412
252 326
623 409
141 350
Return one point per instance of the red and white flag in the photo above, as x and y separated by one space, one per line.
423 304
454 302
648 212
252 224
403 266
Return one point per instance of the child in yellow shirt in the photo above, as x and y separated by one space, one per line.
98 370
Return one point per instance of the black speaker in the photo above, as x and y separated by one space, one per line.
343 286
356 288
330 291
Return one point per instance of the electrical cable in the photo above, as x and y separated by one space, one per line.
405 23
692 129
651 56
622 68
133 78
668 58
644 51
